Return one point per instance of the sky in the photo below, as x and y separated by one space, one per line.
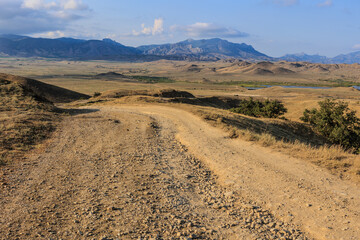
273 27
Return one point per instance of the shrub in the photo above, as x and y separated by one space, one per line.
96 94
335 121
256 108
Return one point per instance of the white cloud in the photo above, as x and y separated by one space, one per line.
158 26
54 5
156 29
51 34
327 3
38 4
73 5
37 16
356 46
208 30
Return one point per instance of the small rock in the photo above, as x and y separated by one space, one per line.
217 206
181 221
272 225
229 194
113 208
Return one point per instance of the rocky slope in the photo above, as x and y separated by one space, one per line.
205 49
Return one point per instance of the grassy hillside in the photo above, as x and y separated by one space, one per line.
46 91
25 120
27 113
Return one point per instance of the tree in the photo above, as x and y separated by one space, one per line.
256 108
335 121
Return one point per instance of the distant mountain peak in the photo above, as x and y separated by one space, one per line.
69 48
109 40
303 57
206 49
12 36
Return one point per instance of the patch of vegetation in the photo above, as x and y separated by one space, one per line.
257 108
148 79
96 94
335 121
329 83
340 82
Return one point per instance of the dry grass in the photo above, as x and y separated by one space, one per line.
24 120
299 144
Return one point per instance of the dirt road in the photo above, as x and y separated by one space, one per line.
155 172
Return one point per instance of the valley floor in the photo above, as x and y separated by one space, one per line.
156 172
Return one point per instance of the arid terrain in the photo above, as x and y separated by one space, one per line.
138 162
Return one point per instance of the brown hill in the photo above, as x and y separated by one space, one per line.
46 91
194 68
261 71
319 68
25 119
265 64
282 71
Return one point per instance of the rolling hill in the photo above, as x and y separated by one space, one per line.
43 91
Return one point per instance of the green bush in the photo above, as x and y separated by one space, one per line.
96 94
335 121
256 108
148 79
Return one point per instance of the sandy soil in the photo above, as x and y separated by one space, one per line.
155 172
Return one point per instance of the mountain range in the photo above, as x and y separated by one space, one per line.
21 46
342 58
107 49
206 49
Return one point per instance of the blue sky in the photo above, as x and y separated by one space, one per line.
274 27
